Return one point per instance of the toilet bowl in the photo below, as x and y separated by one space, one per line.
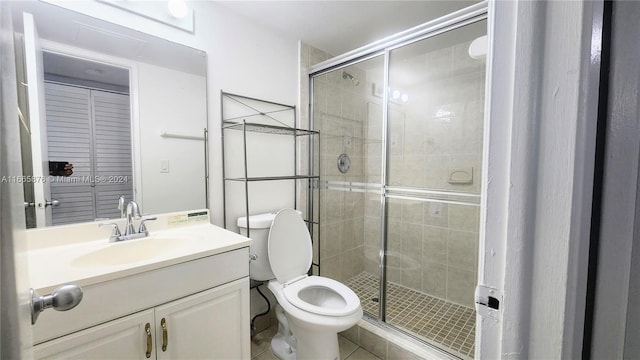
316 308
315 323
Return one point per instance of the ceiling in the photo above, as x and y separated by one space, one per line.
340 26
333 26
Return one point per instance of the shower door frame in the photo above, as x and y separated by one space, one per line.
452 21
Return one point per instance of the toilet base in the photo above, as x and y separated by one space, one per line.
283 344
316 345
281 349
306 345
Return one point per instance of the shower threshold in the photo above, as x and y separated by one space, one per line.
444 324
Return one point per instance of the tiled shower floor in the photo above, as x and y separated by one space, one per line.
449 326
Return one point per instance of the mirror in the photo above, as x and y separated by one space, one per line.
124 111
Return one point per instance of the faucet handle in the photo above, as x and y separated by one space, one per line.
116 231
122 207
143 227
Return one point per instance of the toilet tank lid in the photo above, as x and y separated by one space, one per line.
259 221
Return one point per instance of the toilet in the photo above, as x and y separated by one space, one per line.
311 309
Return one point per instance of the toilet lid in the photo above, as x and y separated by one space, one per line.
289 246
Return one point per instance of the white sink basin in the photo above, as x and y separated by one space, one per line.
86 262
131 251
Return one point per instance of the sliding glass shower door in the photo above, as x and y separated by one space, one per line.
400 180
435 133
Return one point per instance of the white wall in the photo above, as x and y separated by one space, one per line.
183 111
542 112
245 59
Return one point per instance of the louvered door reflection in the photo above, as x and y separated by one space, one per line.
112 149
90 129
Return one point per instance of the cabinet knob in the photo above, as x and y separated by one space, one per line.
63 298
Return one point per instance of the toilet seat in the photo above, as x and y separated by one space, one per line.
322 296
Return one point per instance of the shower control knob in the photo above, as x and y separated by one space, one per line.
253 257
344 163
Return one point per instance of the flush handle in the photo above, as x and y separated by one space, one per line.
63 298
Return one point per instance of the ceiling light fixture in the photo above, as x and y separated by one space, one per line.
177 8
397 96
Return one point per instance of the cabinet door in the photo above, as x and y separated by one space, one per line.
213 324
124 338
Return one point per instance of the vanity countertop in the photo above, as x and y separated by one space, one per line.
98 260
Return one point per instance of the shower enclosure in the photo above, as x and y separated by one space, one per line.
400 165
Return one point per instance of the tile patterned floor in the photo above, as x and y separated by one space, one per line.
449 326
261 347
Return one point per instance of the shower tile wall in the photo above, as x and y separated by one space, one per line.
340 112
432 248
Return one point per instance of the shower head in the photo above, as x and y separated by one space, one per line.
347 76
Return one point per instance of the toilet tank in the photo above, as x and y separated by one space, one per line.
260 268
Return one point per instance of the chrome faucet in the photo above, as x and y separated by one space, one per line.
133 213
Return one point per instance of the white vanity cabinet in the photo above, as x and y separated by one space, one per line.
207 325
196 309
